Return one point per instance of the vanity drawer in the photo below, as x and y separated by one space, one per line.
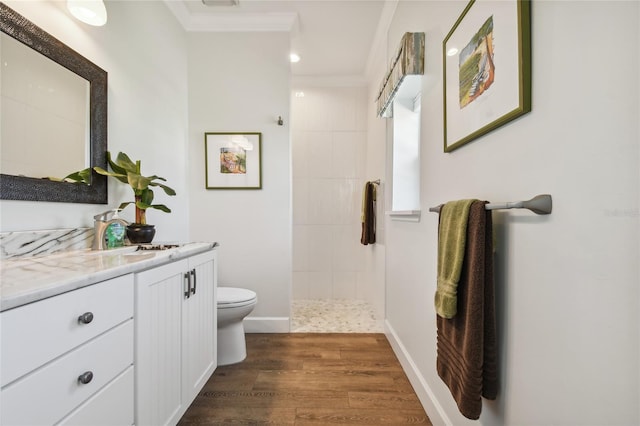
48 394
112 406
41 331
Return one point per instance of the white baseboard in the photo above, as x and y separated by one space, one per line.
266 325
431 405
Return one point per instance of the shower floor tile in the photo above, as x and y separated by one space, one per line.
334 316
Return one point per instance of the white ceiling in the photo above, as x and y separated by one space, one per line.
333 37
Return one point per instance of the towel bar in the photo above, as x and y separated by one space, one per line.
540 204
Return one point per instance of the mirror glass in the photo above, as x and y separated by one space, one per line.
53 116
44 125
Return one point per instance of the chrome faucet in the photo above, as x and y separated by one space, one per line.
100 224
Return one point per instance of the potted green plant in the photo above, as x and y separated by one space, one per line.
127 171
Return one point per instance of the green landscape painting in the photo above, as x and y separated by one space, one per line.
476 64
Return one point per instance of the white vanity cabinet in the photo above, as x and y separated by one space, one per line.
68 359
175 329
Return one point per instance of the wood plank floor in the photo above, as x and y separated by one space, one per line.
310 379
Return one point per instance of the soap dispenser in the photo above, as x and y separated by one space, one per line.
114 234
108 233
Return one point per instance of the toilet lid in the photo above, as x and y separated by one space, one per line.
233 295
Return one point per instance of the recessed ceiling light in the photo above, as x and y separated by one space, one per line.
294 57
220 2
452 51
90 12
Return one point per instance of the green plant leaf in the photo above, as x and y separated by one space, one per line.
115 167
161 207
85 175
123 205
167 190
146 196
122 178
138 182
125 162
82 176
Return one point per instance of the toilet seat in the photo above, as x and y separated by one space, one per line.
231 297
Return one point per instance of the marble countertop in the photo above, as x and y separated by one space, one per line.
26 280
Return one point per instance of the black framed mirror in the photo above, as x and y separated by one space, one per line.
25 188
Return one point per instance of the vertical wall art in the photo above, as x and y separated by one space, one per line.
487 69
233 160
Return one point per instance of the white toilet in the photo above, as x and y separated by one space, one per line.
233 305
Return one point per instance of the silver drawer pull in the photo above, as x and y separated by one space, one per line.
85 378
85 318
187 281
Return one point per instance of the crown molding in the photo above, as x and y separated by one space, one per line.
231 22
379 43
302 81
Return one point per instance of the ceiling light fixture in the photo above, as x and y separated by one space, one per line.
92 12
294 57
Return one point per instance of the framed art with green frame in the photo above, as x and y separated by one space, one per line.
486 69
233 160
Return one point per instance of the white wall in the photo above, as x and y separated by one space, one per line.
239 82
567 284
143 50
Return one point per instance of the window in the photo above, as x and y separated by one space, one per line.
405 199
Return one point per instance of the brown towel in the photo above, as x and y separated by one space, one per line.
467 349
368 214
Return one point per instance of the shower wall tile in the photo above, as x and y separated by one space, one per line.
344 285
300 258
317 115
322 197
362 111
319 283
319 248
363 288
380 203
300 201
319 154
346 248
299 162
300 111
300 285
348 154
347 112
342 111
329 154
348 201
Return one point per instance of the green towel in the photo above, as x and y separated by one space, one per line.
452 237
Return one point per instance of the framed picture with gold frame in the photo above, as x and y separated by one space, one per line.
487 69
233 160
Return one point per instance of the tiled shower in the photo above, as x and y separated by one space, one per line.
329 171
